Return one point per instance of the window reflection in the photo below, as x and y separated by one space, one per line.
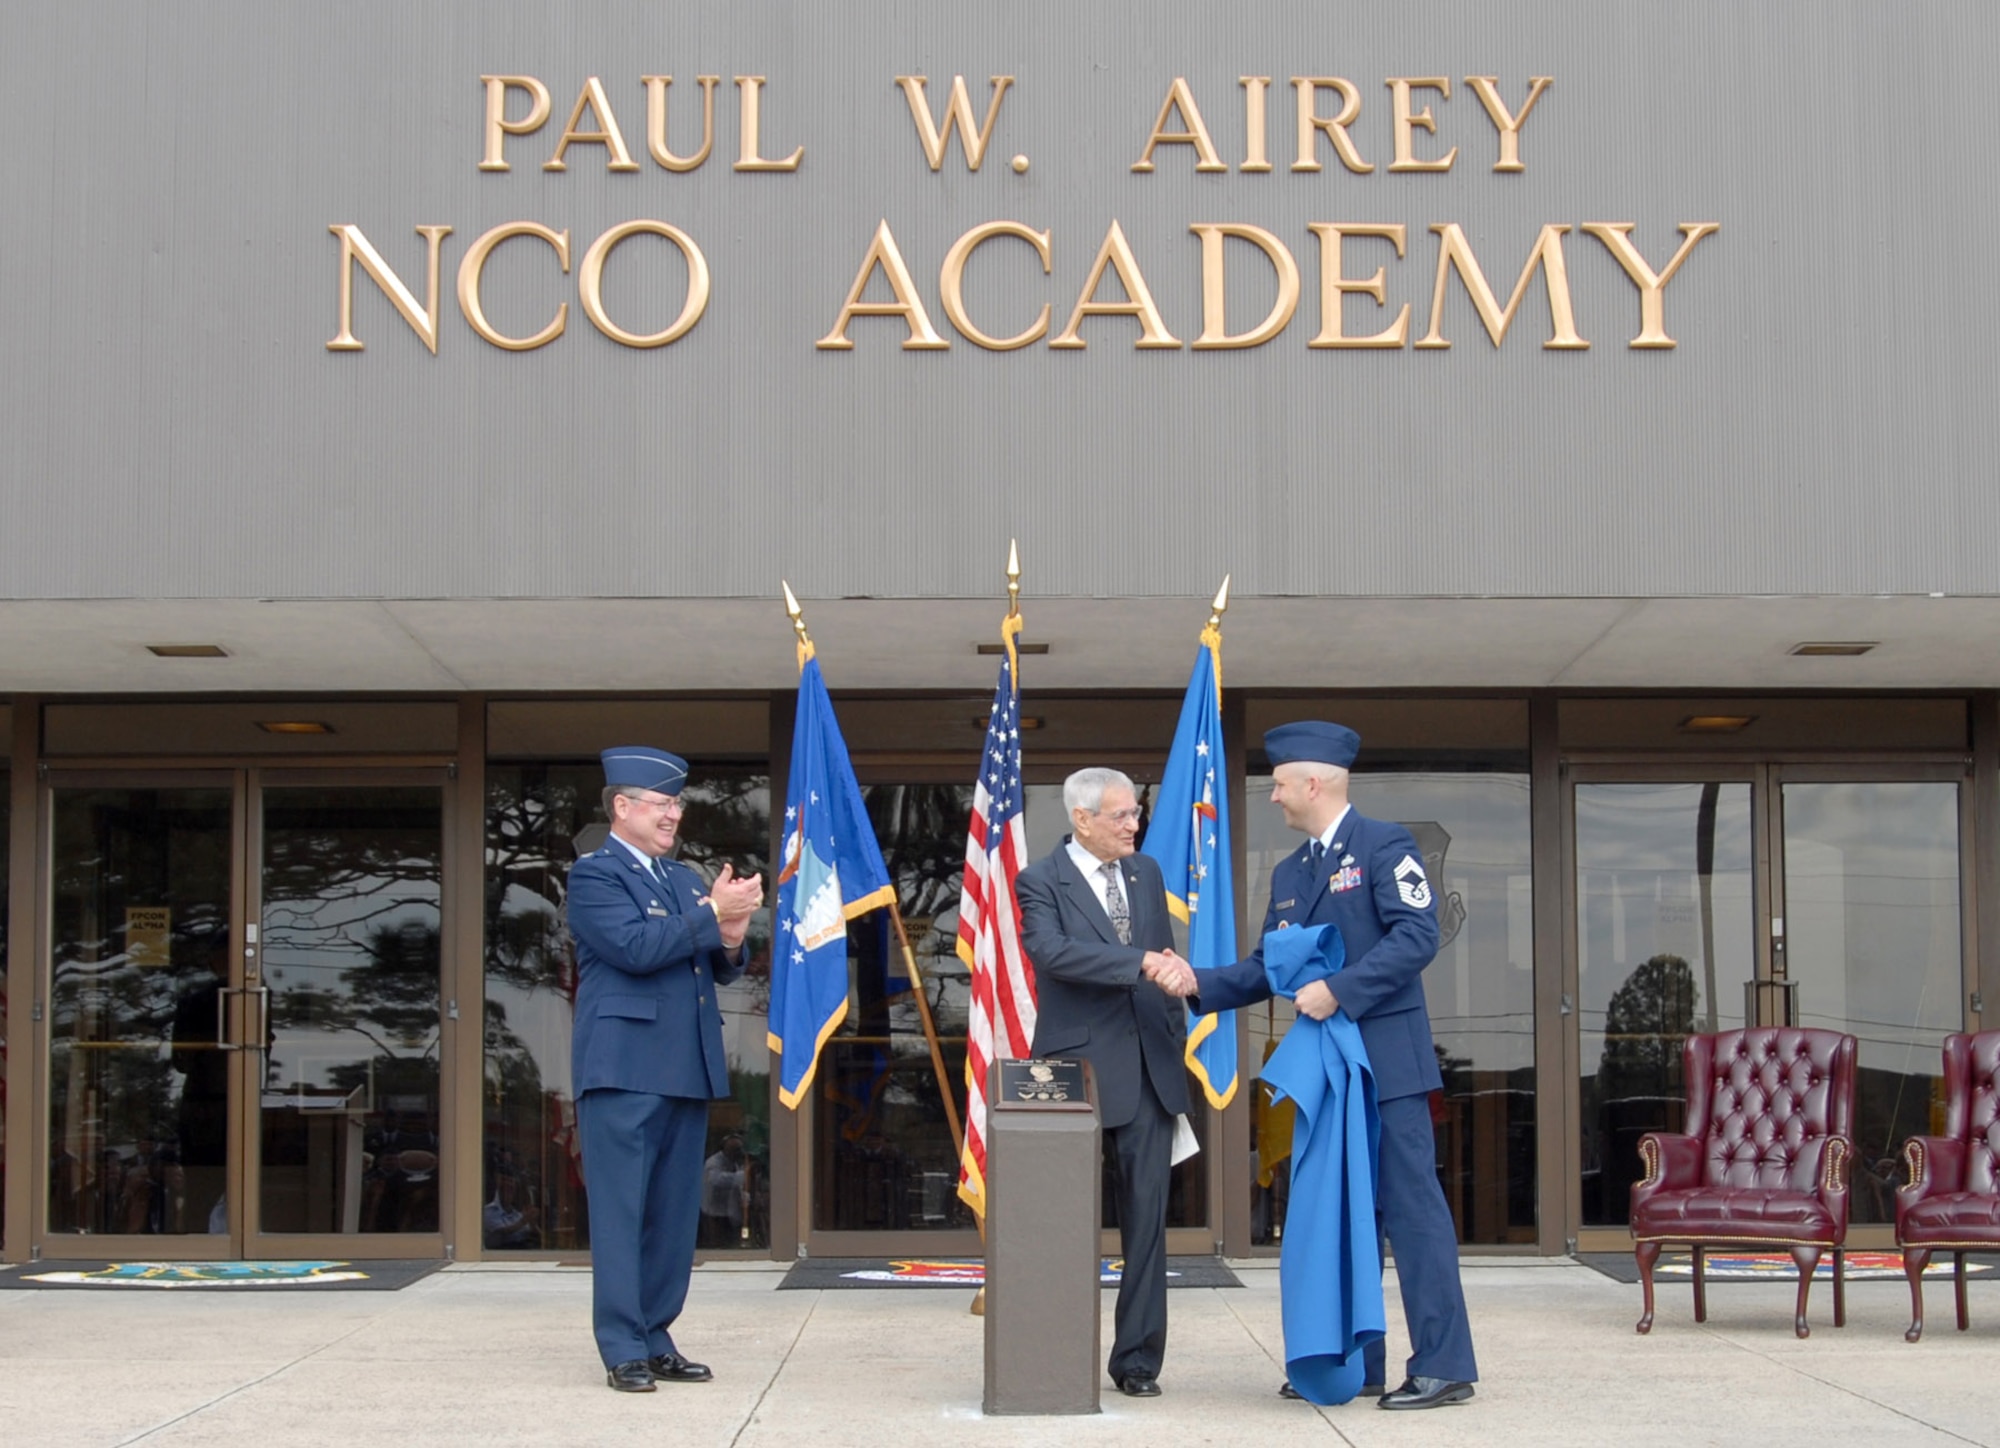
1874 942
138 1087
1664 943
533 1189
1473 829
352 915
6 836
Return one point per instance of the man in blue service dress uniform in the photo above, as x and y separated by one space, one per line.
1366 877
1094 922
652 944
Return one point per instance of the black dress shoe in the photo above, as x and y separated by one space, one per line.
1426 1393
632 1377
1286 1390
670 1367
1139 1385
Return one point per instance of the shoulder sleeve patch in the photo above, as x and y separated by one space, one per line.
1411 885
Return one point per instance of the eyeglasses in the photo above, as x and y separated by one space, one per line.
1120 816
668 802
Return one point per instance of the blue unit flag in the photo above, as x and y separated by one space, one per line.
832 872
1189 837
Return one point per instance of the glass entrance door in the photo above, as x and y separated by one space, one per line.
1665 908
142 991
342 981
1870 917
244 1015
1822 896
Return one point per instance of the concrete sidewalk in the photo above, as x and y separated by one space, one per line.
500 1354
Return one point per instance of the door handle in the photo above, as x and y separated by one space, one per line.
262 1032
222 1037
1568 1004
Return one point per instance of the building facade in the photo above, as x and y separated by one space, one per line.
1591 409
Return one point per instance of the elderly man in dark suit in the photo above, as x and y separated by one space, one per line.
652 944
1094 922
1367 878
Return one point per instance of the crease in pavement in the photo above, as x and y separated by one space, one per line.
1841 1386
262 1378
765 1391
1230 1308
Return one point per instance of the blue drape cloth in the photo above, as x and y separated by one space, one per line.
1330 1272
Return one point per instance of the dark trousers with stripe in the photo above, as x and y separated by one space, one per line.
642 1162
1142 1148
1414 1216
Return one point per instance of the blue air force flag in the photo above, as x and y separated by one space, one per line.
832 872
1189 836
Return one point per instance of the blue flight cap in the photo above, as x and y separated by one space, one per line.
1312 741
634 766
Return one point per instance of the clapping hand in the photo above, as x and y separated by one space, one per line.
1169 972
734 900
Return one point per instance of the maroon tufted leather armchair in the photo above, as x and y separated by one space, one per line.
1762 1161
1953 1197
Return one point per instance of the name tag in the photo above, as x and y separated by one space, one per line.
655 910
1285 905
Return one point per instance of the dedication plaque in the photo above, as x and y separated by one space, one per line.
1043 1085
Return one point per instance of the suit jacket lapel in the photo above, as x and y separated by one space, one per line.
1084 897
1312 886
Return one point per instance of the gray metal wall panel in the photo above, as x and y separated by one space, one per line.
176 428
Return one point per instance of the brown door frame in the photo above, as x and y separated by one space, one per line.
1766 777
245 780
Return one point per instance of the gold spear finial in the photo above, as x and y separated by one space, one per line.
798 617
1013 578
1221 604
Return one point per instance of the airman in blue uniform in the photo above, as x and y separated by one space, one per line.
652 944
1366 877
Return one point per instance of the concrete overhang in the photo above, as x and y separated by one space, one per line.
99 646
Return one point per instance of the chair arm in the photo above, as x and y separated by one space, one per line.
1672 1161
1934 1164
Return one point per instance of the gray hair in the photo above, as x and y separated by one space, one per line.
1084 790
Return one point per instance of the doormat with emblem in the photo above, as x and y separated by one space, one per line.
1769 1266
321 1276
820 1273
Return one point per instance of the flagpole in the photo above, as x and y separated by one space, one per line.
1010 630
806 651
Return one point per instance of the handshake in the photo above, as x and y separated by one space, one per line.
1169 972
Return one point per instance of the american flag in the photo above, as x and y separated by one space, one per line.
1001 1025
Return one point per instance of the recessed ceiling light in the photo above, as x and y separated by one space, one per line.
1019 648
294 726
188 651
1028 721
1716 723
1831 650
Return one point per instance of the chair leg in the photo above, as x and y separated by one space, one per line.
1808 1259
1840 1287
1915 1260
1700 1283
1958 1284
1646 1253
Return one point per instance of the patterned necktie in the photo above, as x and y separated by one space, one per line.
1114 903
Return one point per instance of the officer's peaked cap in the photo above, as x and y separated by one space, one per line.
1312 741
634 766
